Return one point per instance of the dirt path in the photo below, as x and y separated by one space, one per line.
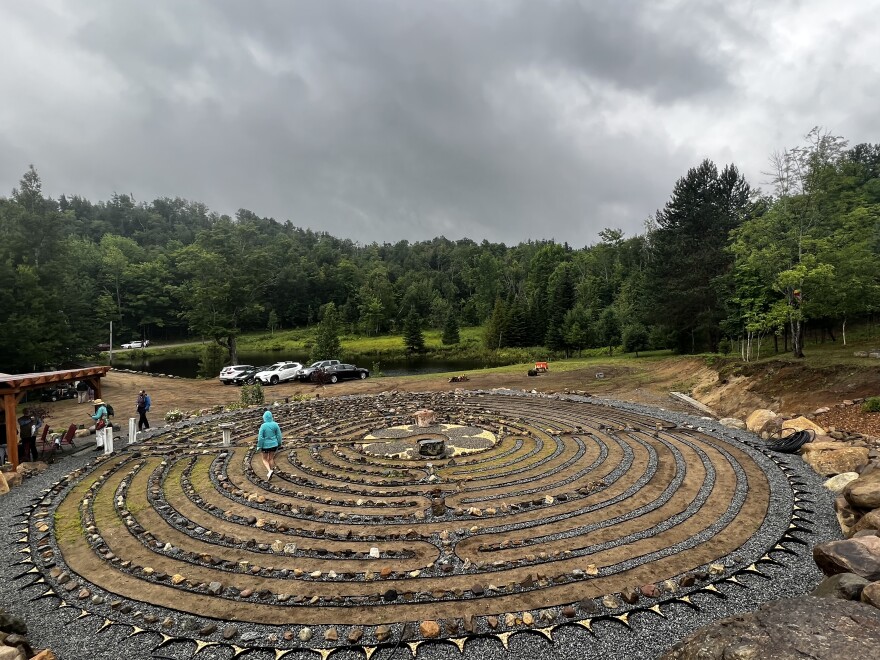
730 390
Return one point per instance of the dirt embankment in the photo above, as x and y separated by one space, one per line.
728 388
786 387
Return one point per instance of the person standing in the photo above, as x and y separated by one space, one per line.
268 442
143 407
27 428
102 422
82 391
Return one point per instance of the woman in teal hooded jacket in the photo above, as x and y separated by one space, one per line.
268 442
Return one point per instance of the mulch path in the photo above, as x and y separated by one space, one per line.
852 419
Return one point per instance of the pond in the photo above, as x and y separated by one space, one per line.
188 366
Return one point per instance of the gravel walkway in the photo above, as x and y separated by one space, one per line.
646 634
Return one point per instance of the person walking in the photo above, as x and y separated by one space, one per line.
143 407
268 442
82 391
102 422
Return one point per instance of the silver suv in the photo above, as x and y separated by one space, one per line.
306 372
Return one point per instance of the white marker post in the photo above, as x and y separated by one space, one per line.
132 431
227 433
108 439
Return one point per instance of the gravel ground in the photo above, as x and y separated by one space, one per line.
648 634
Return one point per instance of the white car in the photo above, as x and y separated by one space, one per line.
229 374
278 373
137 344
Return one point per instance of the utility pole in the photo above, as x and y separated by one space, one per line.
111 342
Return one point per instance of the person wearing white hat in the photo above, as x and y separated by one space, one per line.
102 421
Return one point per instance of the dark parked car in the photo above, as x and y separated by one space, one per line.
336 372
306 372
247 375
58 393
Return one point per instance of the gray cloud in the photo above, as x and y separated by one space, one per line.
388 120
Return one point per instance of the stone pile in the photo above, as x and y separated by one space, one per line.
14 643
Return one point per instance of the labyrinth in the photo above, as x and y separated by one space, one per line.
544 515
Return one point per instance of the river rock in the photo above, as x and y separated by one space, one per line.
864 492
829 461
818 628
837 483
870 522
802 424
429 629
871 594
845 586
858 555
758 419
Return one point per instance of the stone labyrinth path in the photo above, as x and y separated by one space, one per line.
545 513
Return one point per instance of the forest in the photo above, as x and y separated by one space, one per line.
723 265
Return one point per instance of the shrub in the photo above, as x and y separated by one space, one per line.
252 394
173 416
376 372
871 404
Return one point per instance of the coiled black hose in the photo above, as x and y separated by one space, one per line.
791 443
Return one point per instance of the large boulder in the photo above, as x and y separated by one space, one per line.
829 458
759 419
838 483
4 486
732 423
802 424
796 628
859 555
870 521
864 492
844 586
871 594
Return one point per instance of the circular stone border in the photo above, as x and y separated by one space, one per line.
793 486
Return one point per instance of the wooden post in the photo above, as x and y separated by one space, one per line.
11 429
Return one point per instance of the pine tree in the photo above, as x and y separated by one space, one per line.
412 333
327 345
450 330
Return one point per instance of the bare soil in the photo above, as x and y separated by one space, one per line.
730 389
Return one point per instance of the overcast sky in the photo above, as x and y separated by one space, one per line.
379 121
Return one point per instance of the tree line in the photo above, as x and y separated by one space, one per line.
720 266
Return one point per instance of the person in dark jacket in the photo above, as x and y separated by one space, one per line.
82 391
268 442
27 428
143 407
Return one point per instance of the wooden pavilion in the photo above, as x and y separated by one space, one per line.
13 388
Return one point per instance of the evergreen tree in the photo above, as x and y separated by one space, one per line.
689 254
496 328
609 329
327 345
635 338
450 330
412 332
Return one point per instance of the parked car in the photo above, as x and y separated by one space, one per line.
66 391
137 344
228 374
337 372
306 372
248 376
278 373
